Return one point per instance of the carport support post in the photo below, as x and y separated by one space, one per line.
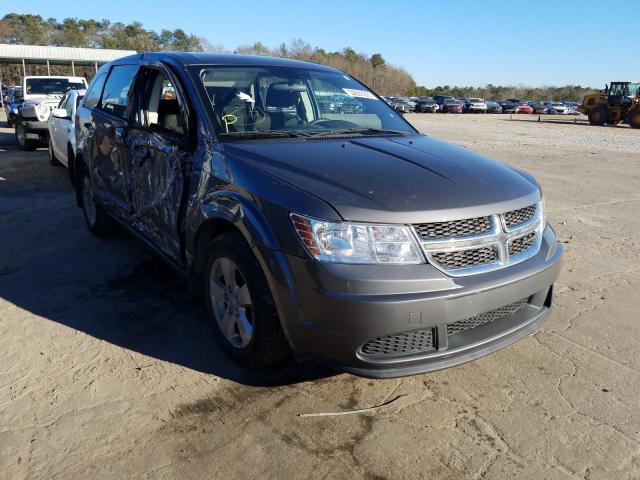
96 66
1 96
73 68
48 68
24 69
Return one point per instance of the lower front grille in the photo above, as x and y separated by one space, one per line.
522 244
466 258
486 317
418 341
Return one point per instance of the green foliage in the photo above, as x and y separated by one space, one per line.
73 32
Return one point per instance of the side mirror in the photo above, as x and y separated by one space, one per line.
59 113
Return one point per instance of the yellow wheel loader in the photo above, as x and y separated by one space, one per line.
617 103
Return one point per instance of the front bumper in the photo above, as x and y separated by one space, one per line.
35 127
329 311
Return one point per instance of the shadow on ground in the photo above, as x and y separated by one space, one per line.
113 289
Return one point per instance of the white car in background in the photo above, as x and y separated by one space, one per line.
61 133
557 107
476 105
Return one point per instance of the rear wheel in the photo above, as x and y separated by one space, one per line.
240 305
598 116
633 119
98 221
21 137
52 155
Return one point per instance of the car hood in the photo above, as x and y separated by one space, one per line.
407 179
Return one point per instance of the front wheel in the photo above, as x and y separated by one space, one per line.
98 221
634 119
21 137
598 116
52 155
240 305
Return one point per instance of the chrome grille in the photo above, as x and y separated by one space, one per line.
520 216
482 244
522 244
456 228
483 318
466 258
417 341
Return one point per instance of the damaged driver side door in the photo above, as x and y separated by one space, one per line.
157 156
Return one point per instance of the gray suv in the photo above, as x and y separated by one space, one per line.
345 237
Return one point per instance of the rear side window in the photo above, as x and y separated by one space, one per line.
115 96
92 97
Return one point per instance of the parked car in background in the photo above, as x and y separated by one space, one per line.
440 100
451 105
508 106
493 106
400 105
557 108
12 104
539 107
524 108
347 104
476 105
281 236
41 95
427 104
61 130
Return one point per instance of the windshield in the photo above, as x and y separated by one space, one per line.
255 100
52 86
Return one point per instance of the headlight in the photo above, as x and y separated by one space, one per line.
345 242
14 110
42 112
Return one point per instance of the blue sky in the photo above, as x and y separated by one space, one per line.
465 42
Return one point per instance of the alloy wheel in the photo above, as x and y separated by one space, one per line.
231 302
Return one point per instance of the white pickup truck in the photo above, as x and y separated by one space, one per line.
41 95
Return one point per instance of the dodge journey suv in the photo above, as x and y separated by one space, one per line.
346 237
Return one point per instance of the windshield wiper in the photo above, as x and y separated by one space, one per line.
265 134
357 131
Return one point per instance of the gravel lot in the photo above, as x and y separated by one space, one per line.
108 370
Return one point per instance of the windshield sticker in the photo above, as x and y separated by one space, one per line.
359 93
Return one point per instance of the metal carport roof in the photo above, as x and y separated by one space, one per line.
10 53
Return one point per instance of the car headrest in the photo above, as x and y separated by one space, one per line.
283 94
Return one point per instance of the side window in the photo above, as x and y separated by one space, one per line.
160 108
63 101
115 96
69 106
92 98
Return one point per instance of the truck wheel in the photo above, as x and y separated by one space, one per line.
633 119
598 116
21 137
240 305
98 221
52 156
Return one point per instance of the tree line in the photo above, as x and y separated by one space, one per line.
372 70
573 93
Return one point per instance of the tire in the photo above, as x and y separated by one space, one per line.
248 328
52 156
633 119
598 116
21 137
98 221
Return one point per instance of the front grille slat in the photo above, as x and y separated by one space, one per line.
466 258
456 228
486 317
522 244
520 216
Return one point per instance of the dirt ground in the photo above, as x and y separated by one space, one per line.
108 370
